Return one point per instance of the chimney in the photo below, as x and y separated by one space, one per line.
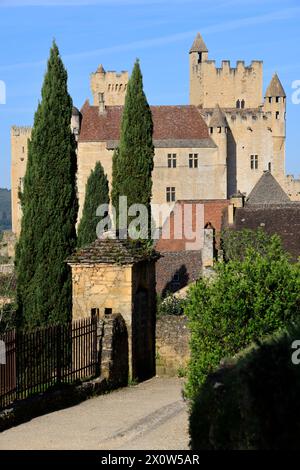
101 103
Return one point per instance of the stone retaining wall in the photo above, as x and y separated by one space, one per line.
172 345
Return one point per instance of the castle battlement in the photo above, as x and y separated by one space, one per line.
21 130
109 87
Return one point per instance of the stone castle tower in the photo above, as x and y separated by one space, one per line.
256 123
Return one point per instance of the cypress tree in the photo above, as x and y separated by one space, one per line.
133 159
96 193
49 205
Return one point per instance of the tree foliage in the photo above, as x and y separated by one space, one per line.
133 159
252 402
248 299
49 205
96 193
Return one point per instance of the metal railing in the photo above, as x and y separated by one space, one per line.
47 357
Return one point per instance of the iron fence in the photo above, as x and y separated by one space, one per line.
47 357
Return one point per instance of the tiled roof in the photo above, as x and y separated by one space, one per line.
283 219
170 123
198 44
275 88
267 191
218 118
111 251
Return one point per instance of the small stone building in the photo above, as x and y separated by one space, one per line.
114 276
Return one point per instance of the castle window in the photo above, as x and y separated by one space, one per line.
109 87
254 162
193 160
21 184
211 130
23 149
199 57
277 99
270 99
269 166
243 104
219 130
120 87
172 160
238 104
170 194
277 114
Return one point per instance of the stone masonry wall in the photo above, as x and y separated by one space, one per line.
172 345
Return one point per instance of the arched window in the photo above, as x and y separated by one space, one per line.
238 104
243 104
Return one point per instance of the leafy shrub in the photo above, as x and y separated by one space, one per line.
170 305
247 300
236 242
252 402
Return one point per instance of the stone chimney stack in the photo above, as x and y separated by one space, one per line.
101 103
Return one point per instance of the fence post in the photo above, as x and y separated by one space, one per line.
59 352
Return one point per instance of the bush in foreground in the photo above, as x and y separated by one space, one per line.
246 301
252 402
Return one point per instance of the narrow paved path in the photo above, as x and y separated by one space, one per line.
151 415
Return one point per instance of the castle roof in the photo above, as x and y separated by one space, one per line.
182 125
198 44
275 88
100 69
110 250
75 111
218 118
267 191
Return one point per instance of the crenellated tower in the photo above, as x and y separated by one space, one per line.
108 88
239 87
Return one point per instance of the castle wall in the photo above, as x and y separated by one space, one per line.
208 181
19 151
210 85
112 85
248 134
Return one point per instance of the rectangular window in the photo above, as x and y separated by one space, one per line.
254 162
172 160
193 160
170 194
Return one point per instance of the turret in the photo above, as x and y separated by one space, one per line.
198 51
108 87
75 121
275 103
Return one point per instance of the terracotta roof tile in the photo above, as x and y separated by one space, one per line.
170 122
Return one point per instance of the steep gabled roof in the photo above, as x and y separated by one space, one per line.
198 44
267 191
218 118
170 123
275 88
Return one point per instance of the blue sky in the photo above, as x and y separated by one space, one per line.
159 32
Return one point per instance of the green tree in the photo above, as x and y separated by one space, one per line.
49 205
248 299
97 193
133 160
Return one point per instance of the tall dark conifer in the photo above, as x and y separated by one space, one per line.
96 193
49 205
133 160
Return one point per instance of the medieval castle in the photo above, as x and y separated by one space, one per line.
218 145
